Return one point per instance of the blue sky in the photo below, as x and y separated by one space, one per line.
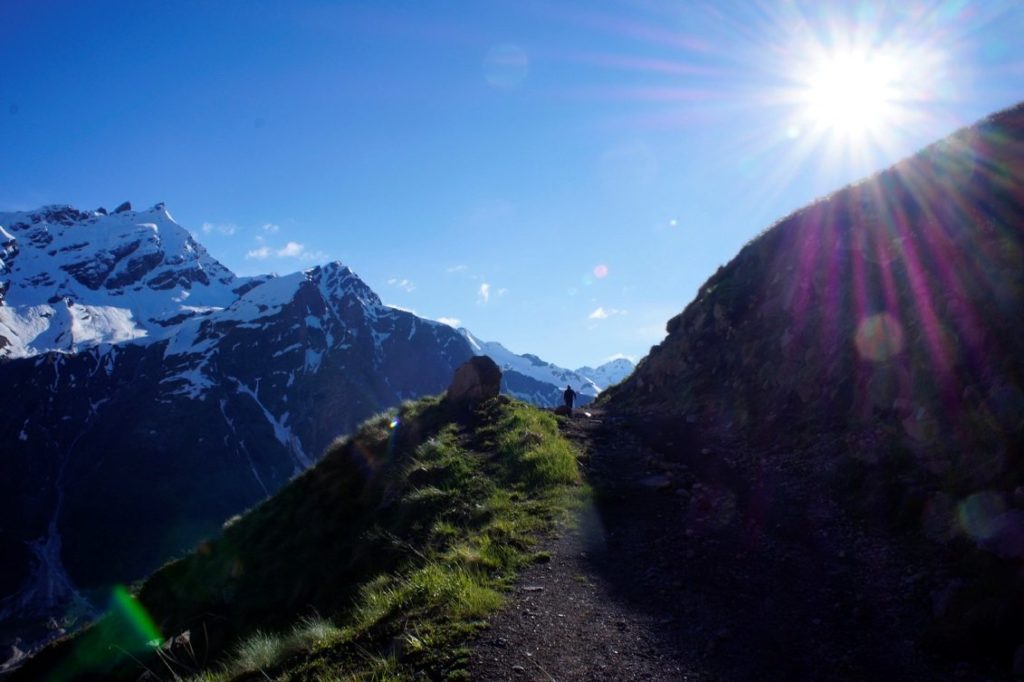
558 176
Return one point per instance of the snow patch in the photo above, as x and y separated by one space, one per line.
194 383
281 431
245 450
313 360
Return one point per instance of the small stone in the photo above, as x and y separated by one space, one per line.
518 669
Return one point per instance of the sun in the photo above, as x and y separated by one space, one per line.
853 93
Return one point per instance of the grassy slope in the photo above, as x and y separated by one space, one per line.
378 563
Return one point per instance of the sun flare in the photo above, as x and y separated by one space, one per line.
853 93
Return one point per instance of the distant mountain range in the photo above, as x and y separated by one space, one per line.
529 378
153 393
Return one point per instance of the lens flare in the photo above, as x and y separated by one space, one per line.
879 337
600 271
854 92
125 606
981 515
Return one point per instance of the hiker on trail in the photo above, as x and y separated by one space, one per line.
570 397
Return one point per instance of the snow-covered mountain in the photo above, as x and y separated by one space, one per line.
153 394
609 373
529 378
71 279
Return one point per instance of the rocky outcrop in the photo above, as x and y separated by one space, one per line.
475 380
897 298
879 331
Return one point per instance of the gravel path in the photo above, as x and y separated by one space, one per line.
565 622
700 563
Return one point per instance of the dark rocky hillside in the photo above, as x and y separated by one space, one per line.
879 332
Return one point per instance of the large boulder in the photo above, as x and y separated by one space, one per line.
477 379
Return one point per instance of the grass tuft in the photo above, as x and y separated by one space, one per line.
257 653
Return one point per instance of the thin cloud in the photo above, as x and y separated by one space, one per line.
403 284
270 227
450 321
457 268
602 314
484 293
502 291
291 250
226 229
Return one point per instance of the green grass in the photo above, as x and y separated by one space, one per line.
404 538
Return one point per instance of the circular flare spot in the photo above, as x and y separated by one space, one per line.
879 337
981 515
600 271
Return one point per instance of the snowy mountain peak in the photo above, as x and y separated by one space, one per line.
609 373
531 366
139 269
337 280
61 252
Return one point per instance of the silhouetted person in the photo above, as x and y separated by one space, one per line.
570 397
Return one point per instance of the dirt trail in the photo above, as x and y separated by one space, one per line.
701 562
